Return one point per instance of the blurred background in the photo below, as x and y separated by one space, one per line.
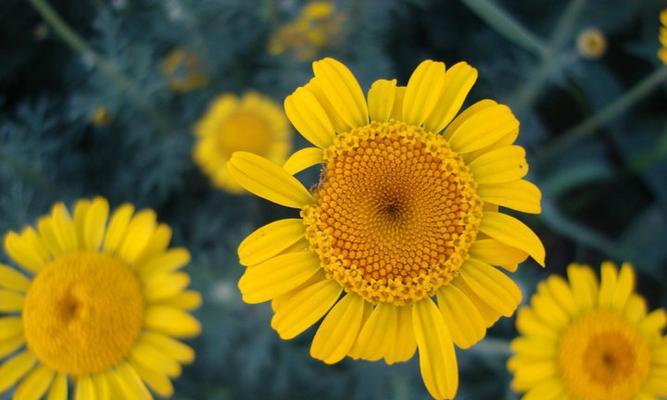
101 97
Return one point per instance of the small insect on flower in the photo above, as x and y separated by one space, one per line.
98 307
591 43
252 123
406 212
584 340
662 53
183 71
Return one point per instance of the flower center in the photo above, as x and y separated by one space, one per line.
603 357
244 131
83 313
396 211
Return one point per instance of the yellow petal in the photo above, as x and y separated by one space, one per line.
381 99
533 374
12 279
267 180
584 286
80 211
483 128
187 300
511 231
548 309
277 276
128 382
302 160
95 223
139 231
342 90
172 321
339 330
11 301
635 309
397 110
378 336
22 252
467 114
534 347
497 253
309 118
157 381
102 387
529 324
58 390
157 244
316 89
654 323
270 240
405 343
170 347
163 286
459 79
15 368
562 293
117 227
305 308
518 195
500 165
149 357
172 260
464 321
35 384
492 286
488 314
423 91
550 389
85 389
624 287
437 360
64 228
608 277
10 327
10 345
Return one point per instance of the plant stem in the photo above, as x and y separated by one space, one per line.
588 127
506 25
550 61
107 68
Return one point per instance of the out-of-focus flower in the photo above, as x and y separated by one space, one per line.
100 116
584 340
98 306
252 123
317 27
183 71
591 43
662 53
406 211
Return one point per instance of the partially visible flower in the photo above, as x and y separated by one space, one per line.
97 308
591 43
252 123
183 71
317 27
587 340
100 116
662 53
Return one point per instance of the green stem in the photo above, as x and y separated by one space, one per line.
107 68
588 127
506 25
549 62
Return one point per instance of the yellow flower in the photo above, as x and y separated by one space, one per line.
406 210
662 53
317 27
252 123
591 43
100 116
98 305
183 71
590 341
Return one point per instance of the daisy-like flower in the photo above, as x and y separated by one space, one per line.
406 211
100 306
251 123
589 341
662 53
184 71
591 43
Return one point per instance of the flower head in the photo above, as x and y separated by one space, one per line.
406 211
100 116
183 71
591 43
317 27
251 123
662 53
99 305
587 340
